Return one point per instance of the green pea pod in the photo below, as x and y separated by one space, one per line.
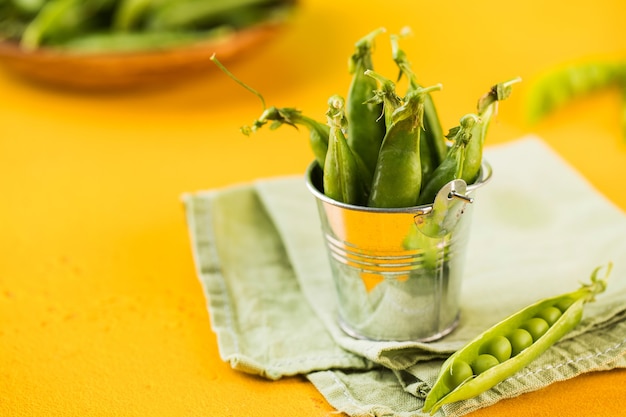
510 345
433 146
181 14
28 7
129 41
129 14
318 132
366 129
562 84
453 164
624 108
59 20
54 17
12 21
341 172
398 176
487 107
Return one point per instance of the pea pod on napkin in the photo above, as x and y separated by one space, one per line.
510 345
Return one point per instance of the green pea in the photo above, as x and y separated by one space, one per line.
564 304
550 315
499 347
536 326
484 362
520 339
459 371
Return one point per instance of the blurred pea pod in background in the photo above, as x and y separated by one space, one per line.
105 45
562 84
123 25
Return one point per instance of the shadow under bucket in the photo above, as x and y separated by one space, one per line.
398 271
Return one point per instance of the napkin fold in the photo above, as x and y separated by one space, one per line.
538 230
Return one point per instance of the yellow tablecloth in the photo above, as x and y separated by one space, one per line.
101 312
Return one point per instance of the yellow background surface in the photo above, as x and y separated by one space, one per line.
101 313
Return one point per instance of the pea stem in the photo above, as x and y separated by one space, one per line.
385 94
597 285
237 80
497 93
401 112
362 54
318 131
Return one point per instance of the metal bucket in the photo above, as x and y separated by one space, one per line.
398 272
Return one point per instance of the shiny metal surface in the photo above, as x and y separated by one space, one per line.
398 272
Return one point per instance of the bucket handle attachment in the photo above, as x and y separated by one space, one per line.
442 216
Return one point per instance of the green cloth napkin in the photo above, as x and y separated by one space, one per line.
538 230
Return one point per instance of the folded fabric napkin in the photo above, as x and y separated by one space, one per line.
538 230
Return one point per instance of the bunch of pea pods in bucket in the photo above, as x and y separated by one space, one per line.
394 197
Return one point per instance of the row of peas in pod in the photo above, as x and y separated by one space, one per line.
96 26
380 148
510 345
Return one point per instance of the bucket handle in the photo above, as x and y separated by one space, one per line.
440 218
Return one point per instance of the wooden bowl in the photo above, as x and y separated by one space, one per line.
117 71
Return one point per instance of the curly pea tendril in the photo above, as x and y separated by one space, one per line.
509 346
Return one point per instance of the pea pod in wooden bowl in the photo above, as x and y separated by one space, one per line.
121 44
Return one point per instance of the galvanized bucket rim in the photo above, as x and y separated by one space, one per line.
484 176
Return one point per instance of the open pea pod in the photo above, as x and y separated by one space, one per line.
510 345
